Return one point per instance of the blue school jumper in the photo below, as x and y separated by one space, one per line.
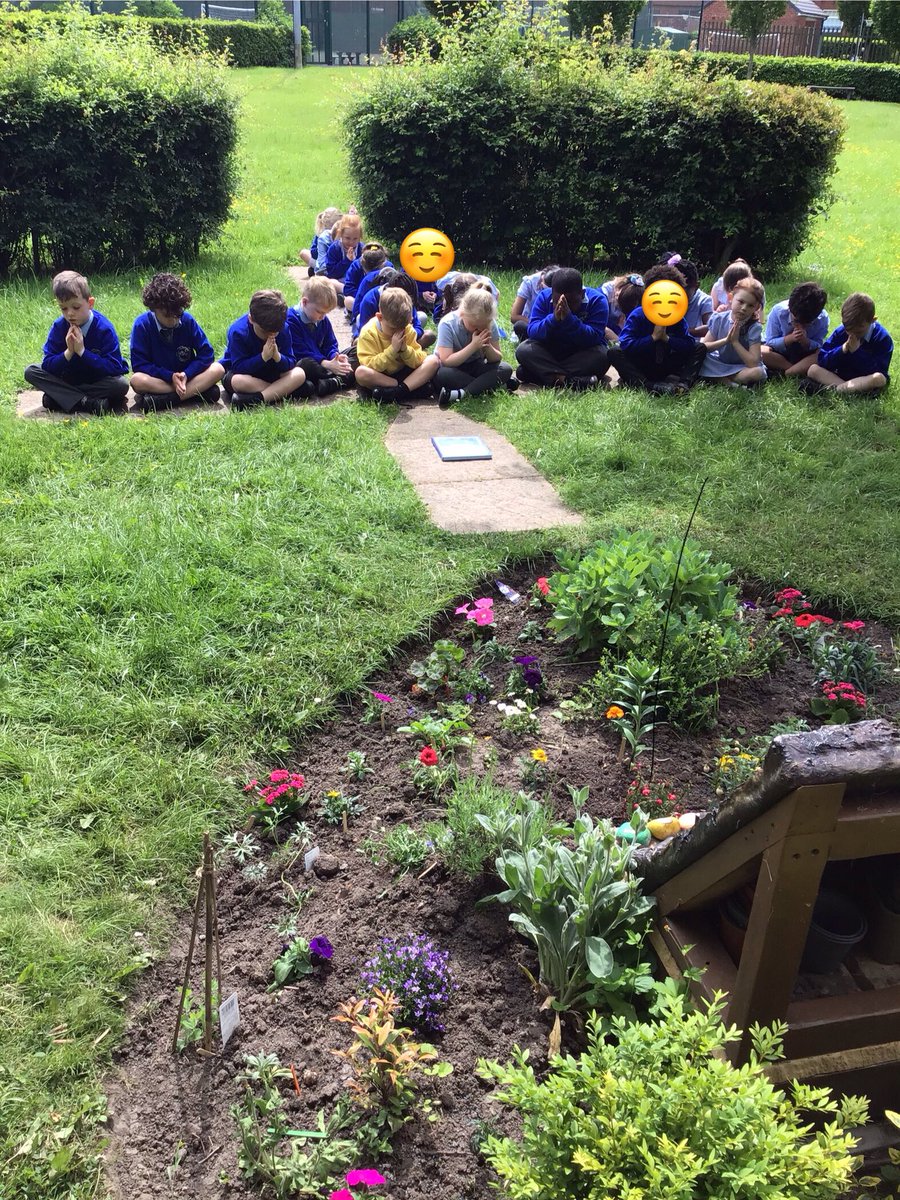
311 339
336 263
369 307
102 355
161 352
243 352
356 273
637 343
579 331
873 356
365 286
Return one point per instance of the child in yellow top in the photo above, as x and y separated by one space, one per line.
392 364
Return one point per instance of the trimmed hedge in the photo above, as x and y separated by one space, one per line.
872 81
247 43
114 153
606 163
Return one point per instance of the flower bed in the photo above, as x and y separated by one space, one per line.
381 907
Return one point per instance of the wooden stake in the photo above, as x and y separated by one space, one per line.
189 962
210 938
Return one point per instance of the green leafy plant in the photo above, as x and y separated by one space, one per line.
430 774
286 925
533 769
518 717
852 659
576 904
292 964
889 1174
633 705
446 733
337 809
190 1028
838 703
242 848
657 1111
356 766
465 840
598 599
737 758
403 847
437 672
532 631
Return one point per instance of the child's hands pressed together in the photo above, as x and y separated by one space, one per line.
562 310
660 333
270 352
398 340
481 338
734 333
179 383
75 340
852 343
340 364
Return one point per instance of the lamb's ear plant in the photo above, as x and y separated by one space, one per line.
657 1111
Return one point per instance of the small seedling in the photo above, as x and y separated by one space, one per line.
241 847
337 809
356 767
191 1028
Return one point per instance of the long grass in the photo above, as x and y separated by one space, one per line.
181 598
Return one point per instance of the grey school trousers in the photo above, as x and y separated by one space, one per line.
69 396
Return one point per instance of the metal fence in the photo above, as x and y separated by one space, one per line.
785 41
350 32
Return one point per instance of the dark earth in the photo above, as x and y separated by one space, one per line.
170 1131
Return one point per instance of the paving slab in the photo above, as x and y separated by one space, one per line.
29 405
503 494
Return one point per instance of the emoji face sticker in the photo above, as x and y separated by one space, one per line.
665 302
426 254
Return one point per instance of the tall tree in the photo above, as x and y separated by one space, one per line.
851 13
753 17
886 19
586 15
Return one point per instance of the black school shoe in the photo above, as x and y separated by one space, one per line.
582 383
211 395
810 387
50 404
156 401
328 386
392 395
242 400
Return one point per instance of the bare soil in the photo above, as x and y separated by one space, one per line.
166 1108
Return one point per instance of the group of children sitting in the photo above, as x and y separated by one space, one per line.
565 334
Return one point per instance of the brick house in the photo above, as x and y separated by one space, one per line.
705 22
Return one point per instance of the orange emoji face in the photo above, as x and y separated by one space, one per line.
665 302
426 254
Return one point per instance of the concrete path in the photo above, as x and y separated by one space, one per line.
498 495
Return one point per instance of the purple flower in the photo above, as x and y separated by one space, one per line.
321 947
532 677
417 973
525 660
748 604
470 699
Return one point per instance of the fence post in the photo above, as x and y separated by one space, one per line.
297 15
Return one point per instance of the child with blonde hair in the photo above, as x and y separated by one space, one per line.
392 364
343 251
313 340
322 238
734 339
468 349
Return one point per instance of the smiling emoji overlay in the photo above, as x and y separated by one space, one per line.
426 254
664 302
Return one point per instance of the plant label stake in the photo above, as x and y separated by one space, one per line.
229 1017
206 900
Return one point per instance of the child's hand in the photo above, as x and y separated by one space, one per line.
481 338
429 297
269 348
179 383
734 332
398 341
660 333
852 343
562 309
75 340
340 364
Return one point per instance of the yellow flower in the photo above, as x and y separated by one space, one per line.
332 794
614 712
539 755
746 757
726 761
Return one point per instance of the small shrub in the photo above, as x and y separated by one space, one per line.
438 670
418 974
658 1112
466 839
418 34
152 199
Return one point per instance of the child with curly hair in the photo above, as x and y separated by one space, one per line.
171 358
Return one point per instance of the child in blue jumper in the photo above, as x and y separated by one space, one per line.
371 260
171 357
259 359
857 356
322 238
82 369
344 250
662 358
566 343
314 344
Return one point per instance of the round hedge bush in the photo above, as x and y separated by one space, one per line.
114 153
527 149
417 34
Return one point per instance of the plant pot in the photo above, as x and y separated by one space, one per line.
734 914
838 924
883 910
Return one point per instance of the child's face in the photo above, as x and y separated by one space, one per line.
312 310
167 319
349 240
743 304
859 328
263 334
76 309
387 329
474 326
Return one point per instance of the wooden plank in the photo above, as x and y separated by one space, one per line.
838 1062
869 825
693 941
831 1023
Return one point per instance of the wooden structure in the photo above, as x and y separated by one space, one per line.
824 796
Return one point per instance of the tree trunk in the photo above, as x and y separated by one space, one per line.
750 59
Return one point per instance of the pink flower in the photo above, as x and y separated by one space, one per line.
367 1176
270 799
251 785
672 796
484 616
463 608
340 1194
385 699
428 757
645 791
788 594
543 586
278 776
854 626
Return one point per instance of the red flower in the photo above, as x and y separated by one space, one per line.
804 620
543 586
854 626
428 757
784 612
787 594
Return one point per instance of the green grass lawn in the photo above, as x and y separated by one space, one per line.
183 597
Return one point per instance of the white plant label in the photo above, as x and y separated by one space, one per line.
229 1017
309 858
